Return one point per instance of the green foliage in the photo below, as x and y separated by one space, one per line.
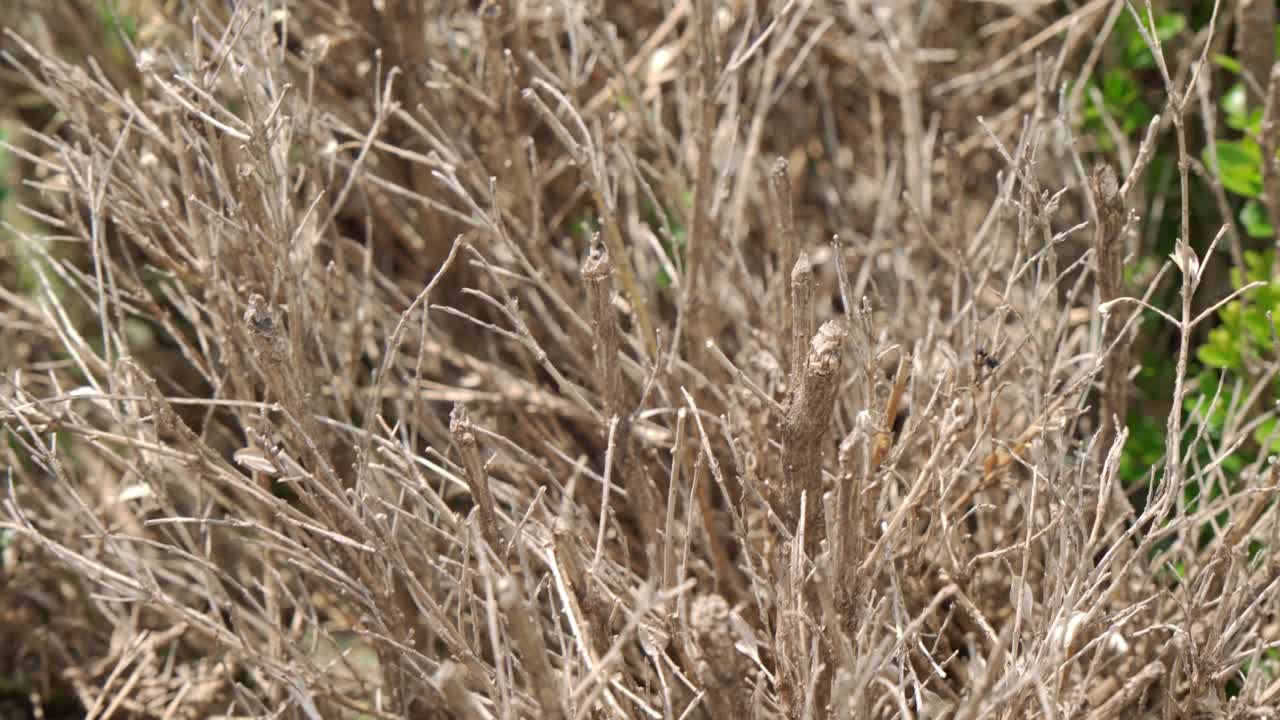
1136 53
1121 99
1255 221
1144 449
1121 89
1268 662
1240 342
675 251
117 23
674 235
1243 339
584 227
1226 366
1239 164
1244 328
1238 160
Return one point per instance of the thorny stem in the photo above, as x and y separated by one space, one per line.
693 306
533 650
784 227
596 271
805 425
604 324
451 680
1108 244
465 440
719 667
801 313
639 304
892 406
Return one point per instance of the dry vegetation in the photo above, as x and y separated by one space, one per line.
662 358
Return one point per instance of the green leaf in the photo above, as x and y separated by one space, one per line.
1235 101
1267 436
1221 351
1169 26
1256 324
1253 216
584 227
1226 62
1239 166
1216 356
1267 298
1235 104
1119 87
1136 53
1233 464
119 23
1258 264
1122 95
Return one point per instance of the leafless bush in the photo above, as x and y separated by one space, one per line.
580 359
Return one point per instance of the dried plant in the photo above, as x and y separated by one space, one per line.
580 359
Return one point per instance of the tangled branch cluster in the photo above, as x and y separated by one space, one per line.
579 359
